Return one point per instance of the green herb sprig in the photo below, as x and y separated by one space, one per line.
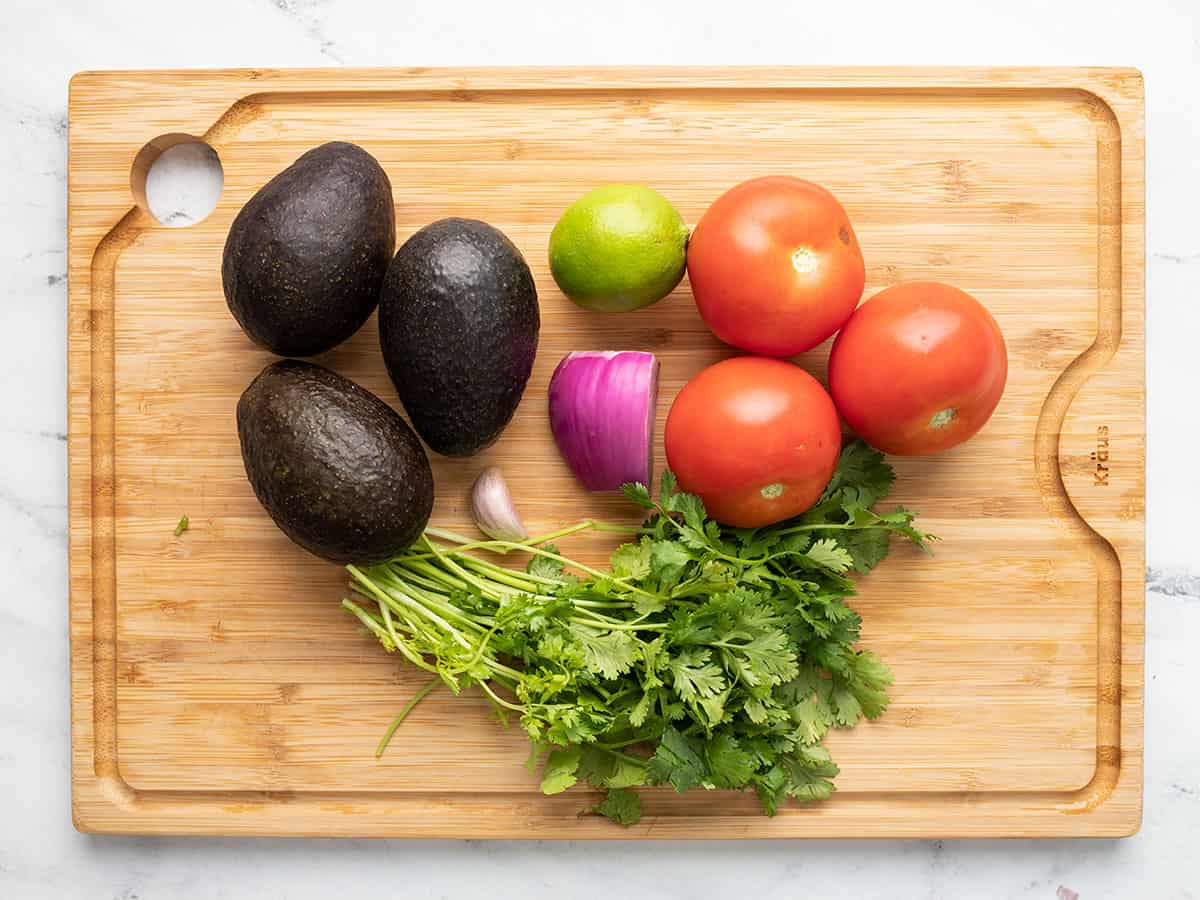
705 656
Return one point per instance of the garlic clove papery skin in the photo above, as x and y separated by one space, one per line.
493 509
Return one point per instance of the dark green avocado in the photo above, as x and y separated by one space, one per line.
306 256
458 325
337 469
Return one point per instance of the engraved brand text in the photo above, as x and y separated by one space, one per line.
1100 456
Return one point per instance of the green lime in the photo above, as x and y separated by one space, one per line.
619 247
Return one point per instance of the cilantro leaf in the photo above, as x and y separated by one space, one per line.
767 658
608 654
793 543
845 705
646 605
811 784
862 476
871 679
545 566
867 547
559 772
771 788
828 554
638 493
668 559
692 509
654 658
694 539
695 676
641 709
756 710
900 521
712 709
605 769
666 489
622 806
632 560
730 766
812 718
676 761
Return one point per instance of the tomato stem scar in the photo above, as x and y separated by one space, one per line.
804 260
943 417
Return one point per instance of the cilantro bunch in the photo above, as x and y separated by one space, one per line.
704 656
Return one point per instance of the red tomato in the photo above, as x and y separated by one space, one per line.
757 439
775 266
918 368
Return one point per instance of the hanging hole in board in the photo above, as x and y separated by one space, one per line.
177 178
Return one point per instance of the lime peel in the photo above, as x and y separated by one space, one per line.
618 248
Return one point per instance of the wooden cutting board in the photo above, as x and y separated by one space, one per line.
217 688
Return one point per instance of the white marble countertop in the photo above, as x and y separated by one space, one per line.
42 44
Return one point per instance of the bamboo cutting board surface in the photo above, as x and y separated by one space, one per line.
217 688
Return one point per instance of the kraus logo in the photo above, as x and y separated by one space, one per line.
1100 456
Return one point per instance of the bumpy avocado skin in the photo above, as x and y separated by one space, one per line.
339 470
458 326
306 256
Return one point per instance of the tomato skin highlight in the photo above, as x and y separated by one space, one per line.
757 439
918 368
774 266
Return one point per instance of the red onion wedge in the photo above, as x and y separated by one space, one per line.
602 405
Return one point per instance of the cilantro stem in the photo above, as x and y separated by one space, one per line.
830 526
639 761
466 543
400 592
385 638
630 741
487 690
408 707
515 579
595 573
524 583
417 607
528 546
482 648
445 535
700 588
367 619
588 525
616 625
453 566
502 547
619 529
584 525
387 621
501 669
601 604
414 627
438 576
403 572
584 607
524 580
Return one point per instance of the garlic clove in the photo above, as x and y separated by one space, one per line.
493 508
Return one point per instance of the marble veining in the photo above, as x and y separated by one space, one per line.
41 856
309 15
1176 584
